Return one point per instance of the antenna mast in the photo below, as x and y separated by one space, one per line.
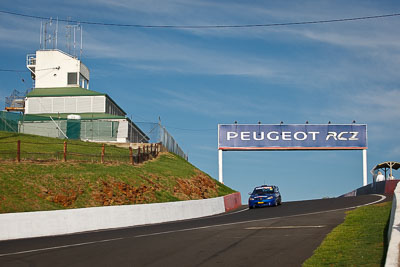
74 32
49 34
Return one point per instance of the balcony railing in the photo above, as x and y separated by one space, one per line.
31 59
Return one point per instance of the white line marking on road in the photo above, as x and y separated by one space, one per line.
225 214
64 246
285 227
184 230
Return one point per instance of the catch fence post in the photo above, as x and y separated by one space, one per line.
65 151
19 151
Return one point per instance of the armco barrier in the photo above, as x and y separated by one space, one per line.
392 257
58 222
232 201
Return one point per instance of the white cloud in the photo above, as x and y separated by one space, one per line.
377 108
150 52
378 105
216 104
18 33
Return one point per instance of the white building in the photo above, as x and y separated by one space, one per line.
61 103
54 69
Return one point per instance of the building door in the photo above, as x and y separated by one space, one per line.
74 129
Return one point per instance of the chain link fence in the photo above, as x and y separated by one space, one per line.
91 130
159 134
9 121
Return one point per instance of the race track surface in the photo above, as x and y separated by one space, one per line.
273 236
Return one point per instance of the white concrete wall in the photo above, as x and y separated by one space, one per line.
47 223
392 256
52 67
65 104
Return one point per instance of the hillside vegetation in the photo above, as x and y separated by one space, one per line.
33 185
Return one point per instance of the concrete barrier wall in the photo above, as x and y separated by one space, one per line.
384 187
392 257
232 201
390 186
58 222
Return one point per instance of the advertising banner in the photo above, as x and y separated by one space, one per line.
292 136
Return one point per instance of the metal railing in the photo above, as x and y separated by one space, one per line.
15 122
31 59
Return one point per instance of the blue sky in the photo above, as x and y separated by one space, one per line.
196 78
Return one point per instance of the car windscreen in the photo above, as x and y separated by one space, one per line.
260 191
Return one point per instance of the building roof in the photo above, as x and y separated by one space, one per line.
388 164
63 116
62 91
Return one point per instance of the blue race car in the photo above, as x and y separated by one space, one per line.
265 195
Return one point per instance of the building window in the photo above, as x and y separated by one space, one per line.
72 78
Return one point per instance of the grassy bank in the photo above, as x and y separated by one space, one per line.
48 185
359 241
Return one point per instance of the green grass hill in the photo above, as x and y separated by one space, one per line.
40 183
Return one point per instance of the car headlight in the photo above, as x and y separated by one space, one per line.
271 197
251 198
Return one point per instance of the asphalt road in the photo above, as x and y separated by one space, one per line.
273 236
